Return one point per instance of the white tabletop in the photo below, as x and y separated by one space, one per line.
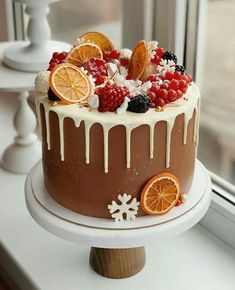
13 80
193 260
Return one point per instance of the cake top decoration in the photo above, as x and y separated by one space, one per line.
96 74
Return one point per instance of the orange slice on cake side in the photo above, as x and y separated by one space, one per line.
83 52
70 83
99 39
160 194
138 61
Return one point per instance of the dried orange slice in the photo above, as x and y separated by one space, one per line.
70 83
83 52
160 194
138 61
99 39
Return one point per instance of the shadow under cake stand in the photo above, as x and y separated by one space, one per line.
117 248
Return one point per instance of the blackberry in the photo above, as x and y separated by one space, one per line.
180 68
139 104
169 55
52 96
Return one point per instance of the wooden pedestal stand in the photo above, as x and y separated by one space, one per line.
117 263
116 248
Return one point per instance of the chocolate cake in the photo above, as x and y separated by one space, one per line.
119 129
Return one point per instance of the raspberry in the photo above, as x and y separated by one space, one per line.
163 93
99 80
152 78
178 202
62 55
156 59
139 104
124 61
114 54
152 95
169 55
179 94
165 86
52 66
172 95
190 78
169 75
182 84
174 84
160 102
51 95
159 52
154 88
57 58
97 68
180 68
177 75
111 97
55 55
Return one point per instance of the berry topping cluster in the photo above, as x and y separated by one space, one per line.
97 68
56 59
111 97
168 88
118 80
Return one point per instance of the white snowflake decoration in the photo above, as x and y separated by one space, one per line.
128 210
166 65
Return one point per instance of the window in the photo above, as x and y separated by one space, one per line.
216 75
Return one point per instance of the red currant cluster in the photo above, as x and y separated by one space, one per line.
158 56
113 54
111 97
56 59
173 86
97 68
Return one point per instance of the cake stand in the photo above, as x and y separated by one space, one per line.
25 150
117 249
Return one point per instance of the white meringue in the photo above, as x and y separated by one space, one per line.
93 101
41 82
123 108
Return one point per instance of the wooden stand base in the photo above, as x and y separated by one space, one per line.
117 263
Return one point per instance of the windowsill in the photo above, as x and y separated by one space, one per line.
37 259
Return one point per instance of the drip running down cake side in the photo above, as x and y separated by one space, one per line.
119 129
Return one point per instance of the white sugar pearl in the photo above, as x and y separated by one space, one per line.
183 197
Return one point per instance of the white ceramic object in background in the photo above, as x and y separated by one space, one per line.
21 155
120 236
34 55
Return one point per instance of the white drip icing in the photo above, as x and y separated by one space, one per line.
47 110
170 124
88 125
39 117
61 130
187 116
151 143
198 120
106 147
129 120
128 146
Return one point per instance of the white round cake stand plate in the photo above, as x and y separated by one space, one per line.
117 251
25 57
